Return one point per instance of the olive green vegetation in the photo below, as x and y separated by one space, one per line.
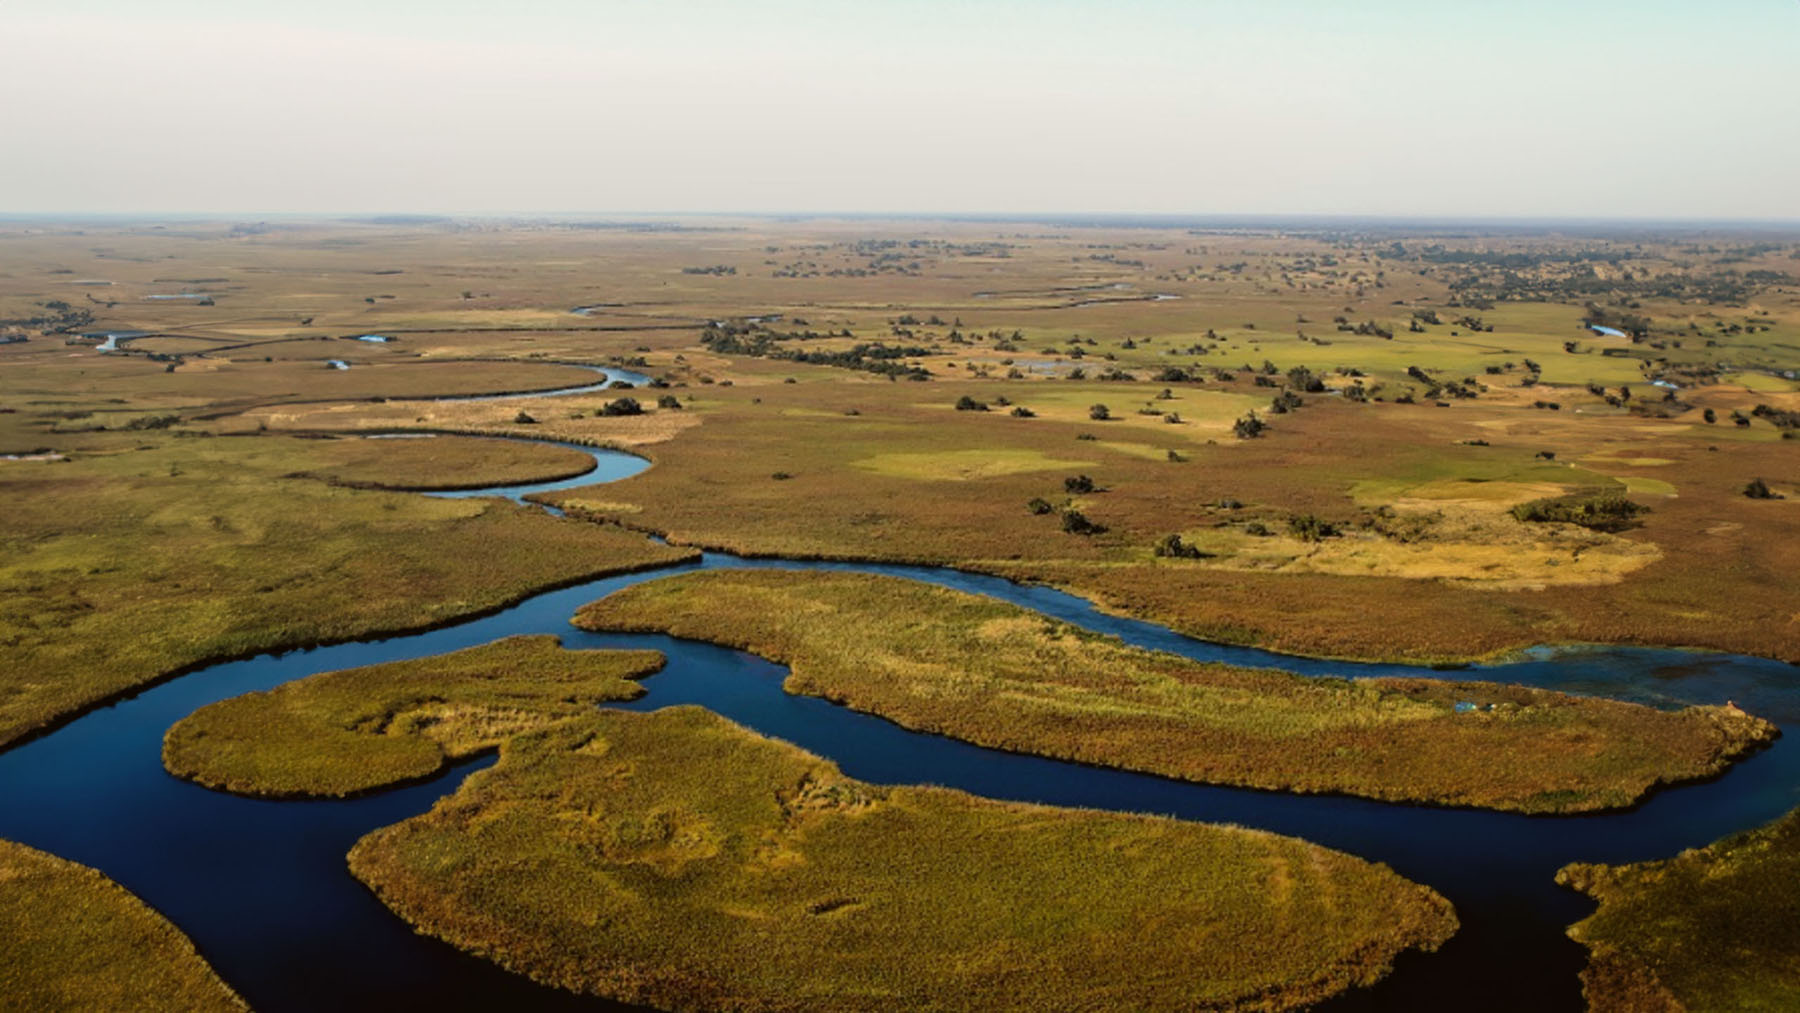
419 461
677 860
988 672
147 554
75 939
1714 928
364 728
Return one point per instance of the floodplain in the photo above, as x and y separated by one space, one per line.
1368 442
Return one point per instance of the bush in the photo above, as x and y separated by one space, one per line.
1075 522
1038 506
623 406
1022 412
1758 489
1078 484
1170 546
1249 427
669 401
524 418
1606 511
969 404
1310 528
1099 413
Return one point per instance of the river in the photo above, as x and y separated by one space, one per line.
261 886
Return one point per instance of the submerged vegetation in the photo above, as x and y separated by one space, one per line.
678 860
1712 929
75 939
973 668
352 731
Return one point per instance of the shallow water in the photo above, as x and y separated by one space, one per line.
262 888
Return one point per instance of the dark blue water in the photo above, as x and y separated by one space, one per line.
262 887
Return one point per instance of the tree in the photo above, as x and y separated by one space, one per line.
1249 427
1099 413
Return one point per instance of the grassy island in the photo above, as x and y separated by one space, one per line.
77 940
678 860
144 554
1715 928
973 668
345 732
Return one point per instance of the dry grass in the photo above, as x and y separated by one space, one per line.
678 860
1712 929
342 733
77 940
973 668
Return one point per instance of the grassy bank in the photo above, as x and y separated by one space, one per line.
988 672
147 554
77 940
1715 928
364 728
678 860
418 461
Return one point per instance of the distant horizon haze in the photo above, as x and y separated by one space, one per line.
1482 111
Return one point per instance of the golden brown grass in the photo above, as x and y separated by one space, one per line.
75 939
353 731
1715 928
678 860
992 673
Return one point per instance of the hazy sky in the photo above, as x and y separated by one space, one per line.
1437 107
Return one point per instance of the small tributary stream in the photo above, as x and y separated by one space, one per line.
262 888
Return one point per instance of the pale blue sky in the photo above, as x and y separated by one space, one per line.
1482 108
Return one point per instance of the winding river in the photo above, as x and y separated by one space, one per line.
261 886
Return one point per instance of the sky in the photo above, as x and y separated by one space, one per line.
1470 108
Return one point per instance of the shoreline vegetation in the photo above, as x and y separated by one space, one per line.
363 729
676 859
75 939
184 552
1712 929
941 661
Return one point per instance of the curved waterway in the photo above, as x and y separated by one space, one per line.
262 887
608 376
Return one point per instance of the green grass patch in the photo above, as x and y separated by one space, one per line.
1715 928
77 940
353 731
991 673
148 554
677 860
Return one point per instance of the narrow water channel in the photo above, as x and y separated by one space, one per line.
262 888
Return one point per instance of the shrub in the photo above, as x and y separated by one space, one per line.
1078 484
669 401
1170 546
1038 506
524 418
1075 522
969 404
1310 528
1099 413
1758 489
623 406
1605 511
1022 412
1249 427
